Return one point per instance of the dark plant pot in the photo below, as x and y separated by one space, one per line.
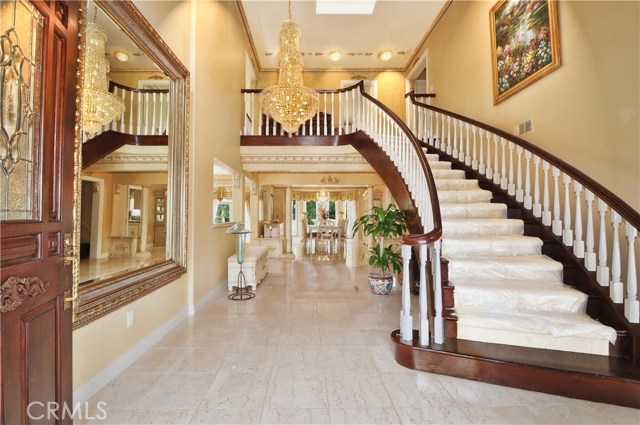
380 284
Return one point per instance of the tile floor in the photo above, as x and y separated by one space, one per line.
314 347
96 269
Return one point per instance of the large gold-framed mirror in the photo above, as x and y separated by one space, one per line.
166 204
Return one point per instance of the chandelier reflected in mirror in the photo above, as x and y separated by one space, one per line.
99 106
289 102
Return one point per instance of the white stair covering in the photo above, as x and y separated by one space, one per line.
506 291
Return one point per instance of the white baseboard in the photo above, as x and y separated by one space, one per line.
102 378
193 308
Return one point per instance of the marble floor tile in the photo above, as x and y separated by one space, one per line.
156 360
499 415
617 414
177 391
297 391
567 414
250 359
207 360
416 390
432 415
295 416
364 416
226 416
298 359
236 390
357 390
126 391
473 393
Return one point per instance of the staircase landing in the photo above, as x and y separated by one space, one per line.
596 378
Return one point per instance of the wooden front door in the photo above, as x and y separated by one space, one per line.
39 45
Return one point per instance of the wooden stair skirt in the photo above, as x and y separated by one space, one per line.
602 379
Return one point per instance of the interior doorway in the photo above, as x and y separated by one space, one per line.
92 199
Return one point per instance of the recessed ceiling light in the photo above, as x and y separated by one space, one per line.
122 57
345 7
335 55
385 55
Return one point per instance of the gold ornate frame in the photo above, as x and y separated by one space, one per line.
100 298
554 37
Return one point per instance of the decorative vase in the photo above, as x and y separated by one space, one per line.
380 284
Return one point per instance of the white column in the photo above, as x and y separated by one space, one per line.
287 217
254 207
237 197
144 220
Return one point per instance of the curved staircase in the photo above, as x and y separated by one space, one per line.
505 290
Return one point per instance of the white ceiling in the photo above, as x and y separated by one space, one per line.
118 41
396 25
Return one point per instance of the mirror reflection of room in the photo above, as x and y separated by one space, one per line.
124 191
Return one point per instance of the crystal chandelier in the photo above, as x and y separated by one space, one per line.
289 102
99 106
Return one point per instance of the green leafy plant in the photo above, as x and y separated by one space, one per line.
383 223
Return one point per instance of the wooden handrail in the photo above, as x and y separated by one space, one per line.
435 233
343 90
625 210
113 84
420 94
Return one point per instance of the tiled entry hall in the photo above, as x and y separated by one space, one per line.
313 347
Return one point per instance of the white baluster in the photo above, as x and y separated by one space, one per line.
578 243
467 153
162 116
511 186
324 110
139 116
333 116
153 129
617 288
537 207
449 147
406 321
496 164
567 233
260 121
430 134
590 255
146 113
631 303
438 324
504 182
489 173
122 123
556 224
528 199
424 320
546 214
481 166
519 191
474 154
438 138
602 271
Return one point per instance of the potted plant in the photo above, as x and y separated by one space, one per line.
382 223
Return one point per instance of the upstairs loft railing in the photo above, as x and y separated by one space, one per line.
350 110
561 196
146 111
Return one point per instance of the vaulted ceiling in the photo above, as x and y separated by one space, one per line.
395 25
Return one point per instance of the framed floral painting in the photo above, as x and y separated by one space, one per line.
525 44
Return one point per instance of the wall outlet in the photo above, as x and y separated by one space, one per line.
129 318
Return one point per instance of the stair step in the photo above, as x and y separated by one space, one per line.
474 210
499 246
448 174
518 296
552 331
457 184
432 157
459 227
440 165
534 267
465 196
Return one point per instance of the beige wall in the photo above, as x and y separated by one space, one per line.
586 112
391 85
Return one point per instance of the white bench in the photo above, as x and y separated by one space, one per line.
254 266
